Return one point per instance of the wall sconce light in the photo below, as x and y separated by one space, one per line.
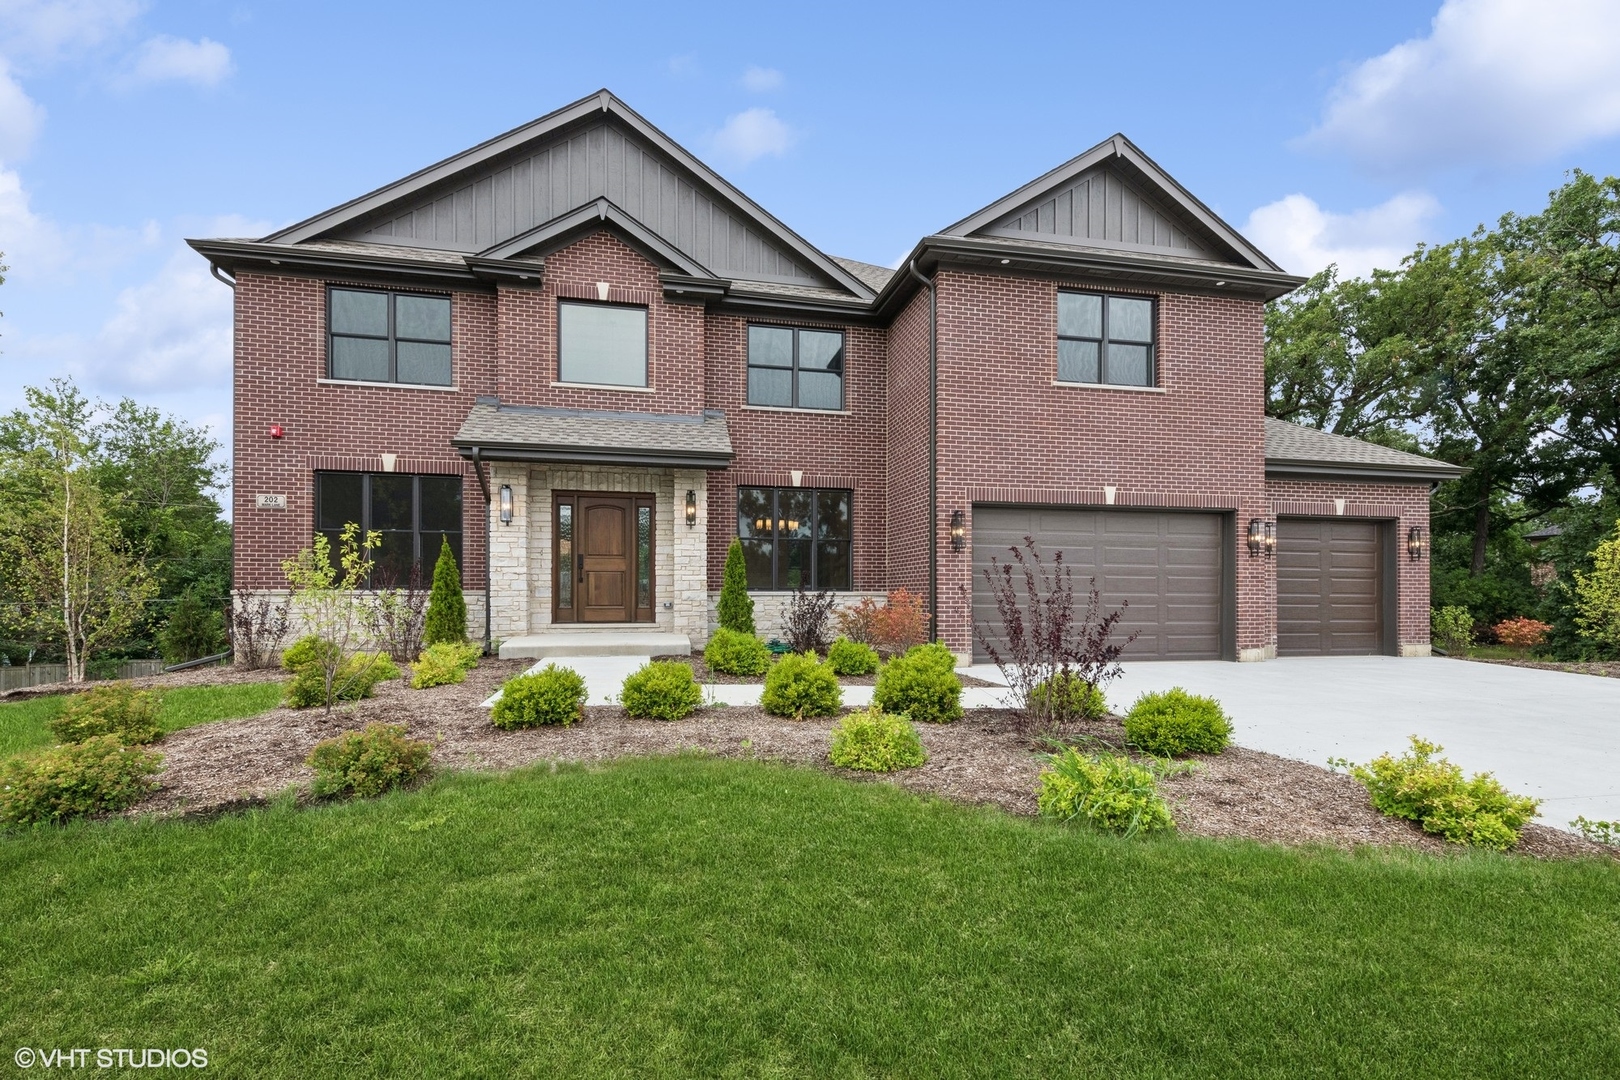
506 504
1257 537
691 509
1415 543
958 530
1271 539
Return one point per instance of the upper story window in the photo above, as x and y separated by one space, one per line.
389 337
1105 339
795 369
604 344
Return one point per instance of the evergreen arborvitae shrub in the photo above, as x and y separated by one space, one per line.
447 608
736 609
800 685
552 695
732 652
1174 722
922 685
851 657
661 690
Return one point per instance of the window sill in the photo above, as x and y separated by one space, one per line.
602 386
1110 386
797 412
389 385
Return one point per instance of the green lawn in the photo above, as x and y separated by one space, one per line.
22 723
692 917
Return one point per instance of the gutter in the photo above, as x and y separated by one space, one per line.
933 450
483 483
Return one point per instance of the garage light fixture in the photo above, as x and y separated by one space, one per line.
958 530
691 509
1271 539
1415 543
1257 537
506 504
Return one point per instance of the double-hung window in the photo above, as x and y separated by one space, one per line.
602 344
377 336
413 514
795 369
1105 339
795 538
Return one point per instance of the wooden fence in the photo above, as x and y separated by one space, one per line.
37 674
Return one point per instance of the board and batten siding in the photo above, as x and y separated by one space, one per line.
1101 206
514 196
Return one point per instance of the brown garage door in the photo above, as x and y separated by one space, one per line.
1167 565
1329 587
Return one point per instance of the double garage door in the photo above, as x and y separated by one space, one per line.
1167 569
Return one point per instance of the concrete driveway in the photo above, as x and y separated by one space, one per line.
1544 733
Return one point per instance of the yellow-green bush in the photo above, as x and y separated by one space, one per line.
119 710
876 741
922 684
800 685
732 652
851 657
442 664
1434 793
661 690
1174 722
552 695
368 763
1105 791
357 677
97 775
1065 697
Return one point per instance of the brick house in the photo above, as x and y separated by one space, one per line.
588 363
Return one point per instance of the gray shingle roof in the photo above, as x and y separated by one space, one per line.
875 276
1291 445
533 433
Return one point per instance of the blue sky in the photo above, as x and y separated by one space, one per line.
1327 132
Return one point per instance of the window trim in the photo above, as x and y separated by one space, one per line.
1103 342
749 365
392 337
646 345
815 555
417 556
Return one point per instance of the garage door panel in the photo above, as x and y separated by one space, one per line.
1164 568
1329 587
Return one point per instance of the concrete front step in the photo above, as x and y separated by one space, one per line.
595 643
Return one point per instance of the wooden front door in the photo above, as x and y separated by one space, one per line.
602 558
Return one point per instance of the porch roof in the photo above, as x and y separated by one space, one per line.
498 432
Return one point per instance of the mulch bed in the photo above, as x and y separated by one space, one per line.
981 759
705 674
1606 668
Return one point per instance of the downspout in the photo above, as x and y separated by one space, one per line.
483 484
220 275
933 450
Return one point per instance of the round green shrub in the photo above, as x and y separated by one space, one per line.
119 710
851 657
552 695
308 651
799 685
1105 791
1074 697
661 690
368 763
357 677
922 685
95 776
443 664
1174 722
876 741
732 652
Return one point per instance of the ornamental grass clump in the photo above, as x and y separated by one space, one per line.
551 696
876 741
732 652
368 763
1173 722
851 657
1434 793
442 664
800 685
119 710
922 685
661 690
1105 791
95 776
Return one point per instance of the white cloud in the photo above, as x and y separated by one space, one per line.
760 79
684 65
752 134
1494 82
39 250
1304 238
20 117
171 59
44 31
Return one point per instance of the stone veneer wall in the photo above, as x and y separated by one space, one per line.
768 608
474 595
521 553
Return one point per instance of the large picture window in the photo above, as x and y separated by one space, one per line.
795 538
412 513
380 336
604 344
1105 339
795 369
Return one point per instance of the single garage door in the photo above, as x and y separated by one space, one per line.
1330 586
1167 565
